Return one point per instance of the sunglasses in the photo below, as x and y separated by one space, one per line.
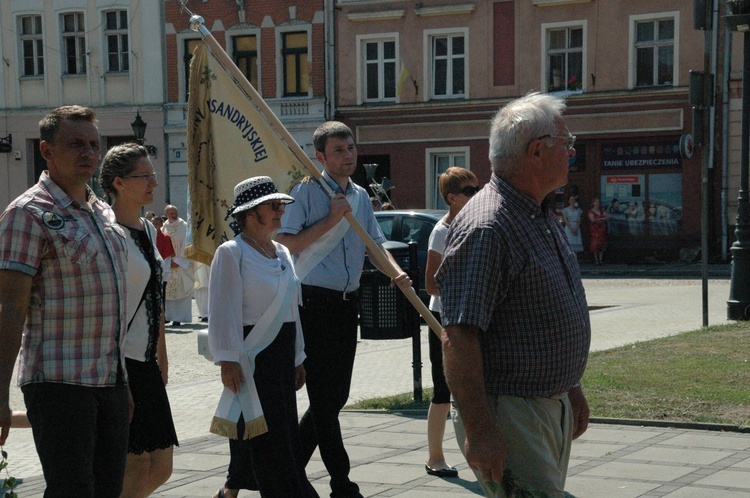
570 140
469 190
275 205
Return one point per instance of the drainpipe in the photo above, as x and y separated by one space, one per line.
330 71
726 74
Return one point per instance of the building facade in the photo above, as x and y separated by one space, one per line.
280 47
103 54
419 83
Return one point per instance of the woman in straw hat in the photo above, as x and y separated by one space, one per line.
128 177
255 335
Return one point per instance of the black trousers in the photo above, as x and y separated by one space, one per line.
272 462
81 437
441 393
329 323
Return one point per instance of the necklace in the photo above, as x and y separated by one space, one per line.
250 239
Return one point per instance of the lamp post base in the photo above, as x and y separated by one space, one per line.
738 304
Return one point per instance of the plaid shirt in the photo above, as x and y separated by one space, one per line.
75 326
508 270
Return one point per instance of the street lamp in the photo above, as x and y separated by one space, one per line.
738 305
139 130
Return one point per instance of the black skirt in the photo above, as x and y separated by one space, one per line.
152 427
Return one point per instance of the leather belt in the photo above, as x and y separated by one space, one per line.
330 293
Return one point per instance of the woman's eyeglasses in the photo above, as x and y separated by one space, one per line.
470 190
149 177
275 205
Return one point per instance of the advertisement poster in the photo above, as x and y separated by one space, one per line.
623 197
665 204
640 205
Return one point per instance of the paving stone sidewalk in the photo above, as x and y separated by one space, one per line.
388 450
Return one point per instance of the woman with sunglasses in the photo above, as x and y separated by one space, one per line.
457 186
128 178
255 335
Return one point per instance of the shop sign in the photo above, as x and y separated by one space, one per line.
639 155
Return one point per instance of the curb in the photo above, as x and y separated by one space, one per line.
671 424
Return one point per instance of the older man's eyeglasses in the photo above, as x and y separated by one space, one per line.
570 140
149 177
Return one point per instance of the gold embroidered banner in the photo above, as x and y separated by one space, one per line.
228 142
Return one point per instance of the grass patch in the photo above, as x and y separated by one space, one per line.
397 402
700 376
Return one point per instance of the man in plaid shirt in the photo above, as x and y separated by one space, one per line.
516 323
62 295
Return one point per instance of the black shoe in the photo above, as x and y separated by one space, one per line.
176 324
449 472
204 319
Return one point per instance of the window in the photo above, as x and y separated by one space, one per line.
654 52
294 55
438 161
245 55
448 66
565 59
74 43
32 45
116 35
189 47
380 70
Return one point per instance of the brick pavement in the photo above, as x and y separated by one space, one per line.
629 310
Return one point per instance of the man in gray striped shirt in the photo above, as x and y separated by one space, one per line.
517 329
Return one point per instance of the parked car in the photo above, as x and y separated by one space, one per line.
407 225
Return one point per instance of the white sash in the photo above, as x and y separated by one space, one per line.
246 401
315 252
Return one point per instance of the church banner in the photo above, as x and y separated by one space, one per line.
228 141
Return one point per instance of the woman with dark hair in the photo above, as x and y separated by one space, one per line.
254 333
128 178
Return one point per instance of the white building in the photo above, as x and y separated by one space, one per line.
104 54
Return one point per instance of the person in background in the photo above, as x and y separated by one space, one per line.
166 251
387 206
316 233
128 178
516 329
202 276
254 333
149 215
614 207
598 230
572 221
457 186
63 262
179 302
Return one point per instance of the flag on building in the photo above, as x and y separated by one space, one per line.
402 77
229 140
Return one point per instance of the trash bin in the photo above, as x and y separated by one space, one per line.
384 311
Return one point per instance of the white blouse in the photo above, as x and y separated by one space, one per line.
139 273
243 284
